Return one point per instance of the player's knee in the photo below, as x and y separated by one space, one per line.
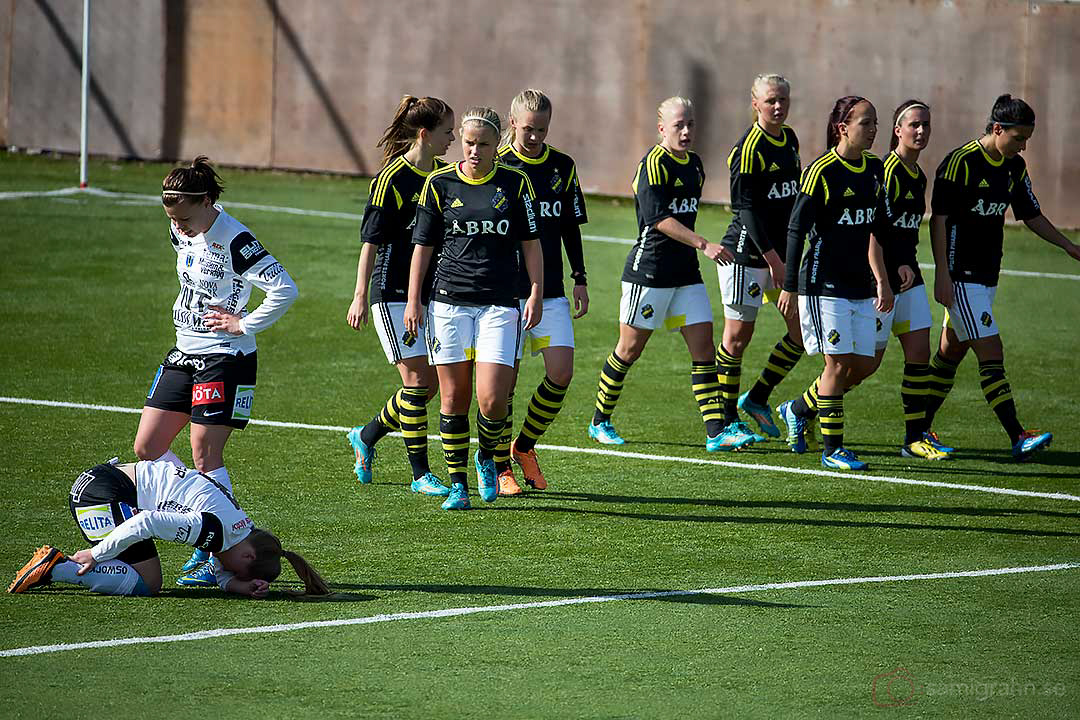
561 375
629 352
145 450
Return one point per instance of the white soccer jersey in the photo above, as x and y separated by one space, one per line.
218 268
178 505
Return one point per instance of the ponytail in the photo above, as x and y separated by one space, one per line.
192 183
412 115
840 112
267 564
529 100
1009 111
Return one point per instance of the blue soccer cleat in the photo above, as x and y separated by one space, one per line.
1030 443
930 438
605 434
761 414
732 437
198 557
428 484
487 480
458 498
842 459
365 456
202 576
796 427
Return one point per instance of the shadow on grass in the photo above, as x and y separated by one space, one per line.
677 596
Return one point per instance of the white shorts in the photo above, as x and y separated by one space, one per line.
397 342
971 314
743 290
837 326
910 312
488 333
555 329
648 308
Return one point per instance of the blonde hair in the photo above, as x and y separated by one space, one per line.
528 100
670 103
761 82
484 116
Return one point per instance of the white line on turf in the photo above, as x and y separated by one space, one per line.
456 612
622 454
155 199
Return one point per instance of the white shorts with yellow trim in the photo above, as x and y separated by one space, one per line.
971 314
397 343
743 290
837 326
488 333
555 329
649 308
910 312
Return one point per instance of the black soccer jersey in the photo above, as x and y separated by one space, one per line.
906 192
559 203
764 183
478 225
973 190
387 224
665 186
839 204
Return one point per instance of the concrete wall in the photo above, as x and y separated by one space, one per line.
312 83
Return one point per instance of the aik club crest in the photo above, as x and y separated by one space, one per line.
408 339
647 311
556 181
985 319
499 201
754 290
833 337
878 324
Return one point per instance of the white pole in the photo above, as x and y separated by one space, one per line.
85 88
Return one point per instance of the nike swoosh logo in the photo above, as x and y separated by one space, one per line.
218 412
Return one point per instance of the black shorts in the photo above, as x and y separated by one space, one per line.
102 498
216 389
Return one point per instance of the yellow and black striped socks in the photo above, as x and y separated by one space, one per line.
488 432
781 360
706 387
729 372
454 430
612 377
388 419
806 405
543 407
831 419
413 419
502 450
940 382
913 389
998 394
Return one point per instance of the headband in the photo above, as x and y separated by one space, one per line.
909 107
181 192
1009 124
478 118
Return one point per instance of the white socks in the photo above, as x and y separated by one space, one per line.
172 457
114 577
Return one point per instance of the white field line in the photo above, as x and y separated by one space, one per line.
155 199
619 454
456 612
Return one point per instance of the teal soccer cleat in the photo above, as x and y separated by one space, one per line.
202 576
731 438
458 498
796 427
198 557
430 485
761 414
605 434
365 456
1031 442
486 478
842 459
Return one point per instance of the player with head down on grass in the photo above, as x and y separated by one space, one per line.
122 509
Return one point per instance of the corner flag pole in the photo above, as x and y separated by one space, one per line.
85 88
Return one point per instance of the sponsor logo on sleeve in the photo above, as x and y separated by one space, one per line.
183 534
252 249
207 393
245 398
243 524
271 272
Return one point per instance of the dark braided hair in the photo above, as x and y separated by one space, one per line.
840 112
191 183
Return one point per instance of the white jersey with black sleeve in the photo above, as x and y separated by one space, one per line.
178 505
219 268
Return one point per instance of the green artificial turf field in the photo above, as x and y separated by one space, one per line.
88 282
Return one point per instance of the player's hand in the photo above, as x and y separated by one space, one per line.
777 269
358 313
581 301
414 318
907 277
254 588
884 300
717 253
85 559
943 289
788 304
219 319
534 310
